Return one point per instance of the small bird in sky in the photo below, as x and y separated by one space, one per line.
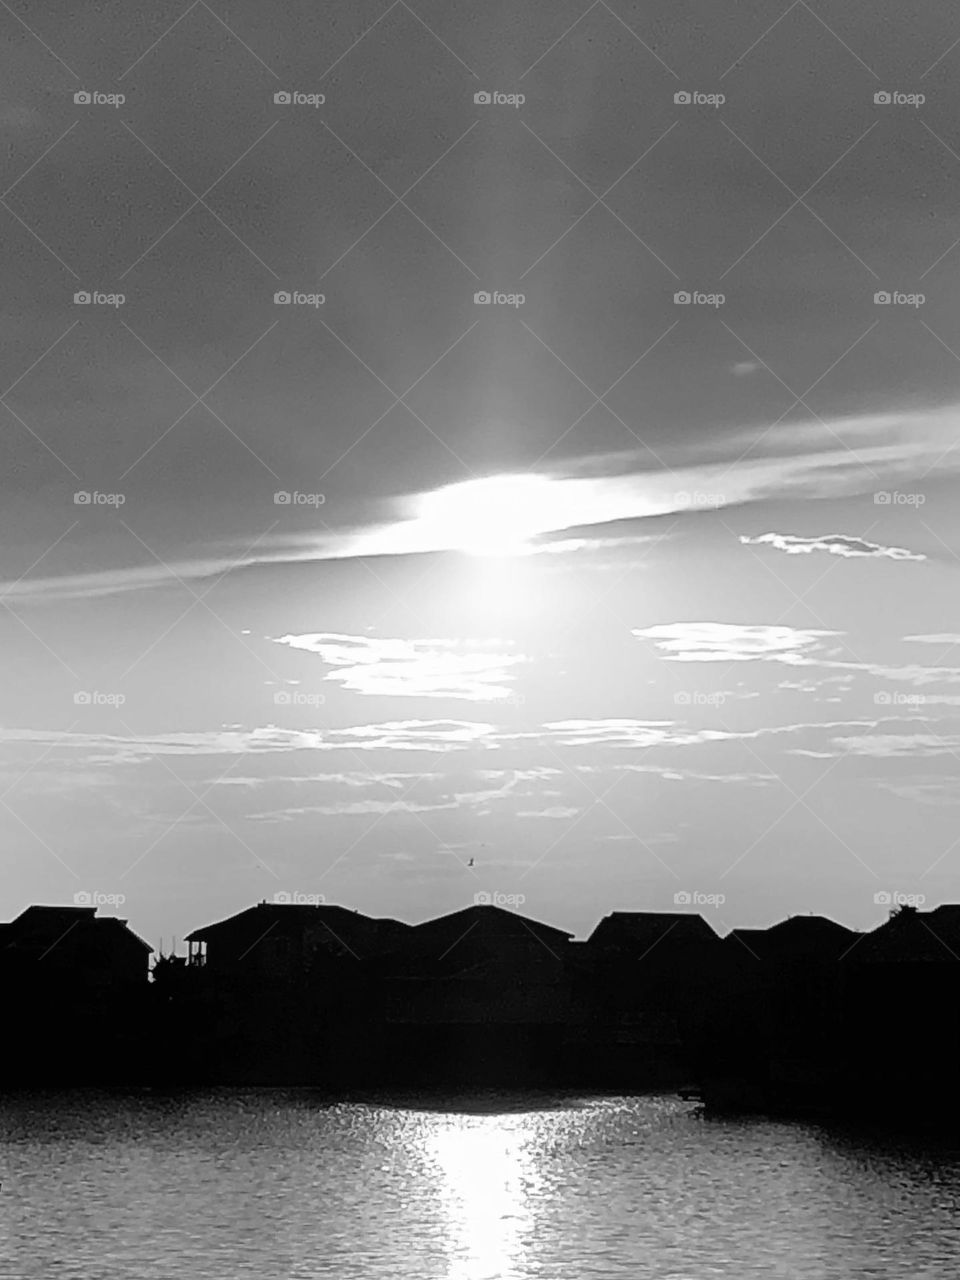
470 863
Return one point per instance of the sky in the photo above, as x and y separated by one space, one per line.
519 460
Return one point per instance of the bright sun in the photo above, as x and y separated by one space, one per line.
496 516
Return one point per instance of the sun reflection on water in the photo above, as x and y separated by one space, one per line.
488 1181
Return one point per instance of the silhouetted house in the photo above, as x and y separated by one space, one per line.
275 942
902 1014
793 969
796 940
777 1041
638 932
281 992
915 937
480 994
75 993
73 945
646 977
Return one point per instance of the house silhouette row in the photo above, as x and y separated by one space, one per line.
796 1016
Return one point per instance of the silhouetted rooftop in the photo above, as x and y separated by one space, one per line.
43 927
489 919
816 937
635 929
295 917
910 934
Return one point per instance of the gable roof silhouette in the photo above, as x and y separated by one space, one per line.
487 920
813 937
644 929
472 939
43 927
340 926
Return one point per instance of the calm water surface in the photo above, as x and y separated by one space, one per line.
288 1185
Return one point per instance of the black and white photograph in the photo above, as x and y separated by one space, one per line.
480 616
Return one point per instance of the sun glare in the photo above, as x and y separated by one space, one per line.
495 516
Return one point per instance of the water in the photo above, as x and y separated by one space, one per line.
281 1185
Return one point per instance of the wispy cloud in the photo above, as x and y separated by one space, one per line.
386 667
836 544
729 642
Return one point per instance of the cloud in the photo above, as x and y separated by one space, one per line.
392 735
411 668
557 812
946 638
836 544
728 642
885 745
611 733
844 456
